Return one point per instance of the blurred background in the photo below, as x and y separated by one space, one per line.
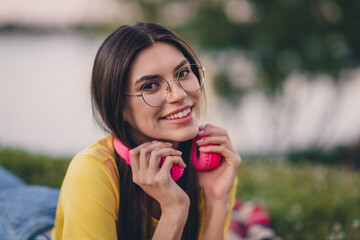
282 76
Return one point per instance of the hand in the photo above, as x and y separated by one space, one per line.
217 183
155 181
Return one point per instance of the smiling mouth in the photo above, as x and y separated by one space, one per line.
178 115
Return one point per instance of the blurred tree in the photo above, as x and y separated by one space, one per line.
311 36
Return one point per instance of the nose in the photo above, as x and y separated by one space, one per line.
177 94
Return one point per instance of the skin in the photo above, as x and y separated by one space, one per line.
146 122
159 138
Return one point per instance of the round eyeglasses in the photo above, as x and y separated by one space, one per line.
156 92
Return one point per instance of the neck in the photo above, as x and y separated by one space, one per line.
139 138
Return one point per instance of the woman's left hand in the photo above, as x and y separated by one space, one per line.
217 183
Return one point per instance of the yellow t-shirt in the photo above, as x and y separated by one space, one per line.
89 196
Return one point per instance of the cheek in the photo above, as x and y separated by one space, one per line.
130 113
140 116
198 100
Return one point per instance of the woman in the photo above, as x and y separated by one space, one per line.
147 93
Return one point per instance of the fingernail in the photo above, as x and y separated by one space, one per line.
202 148
179 151
201 127
169 144
201 132
200 140
154 141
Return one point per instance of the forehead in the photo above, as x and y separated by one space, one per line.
159 58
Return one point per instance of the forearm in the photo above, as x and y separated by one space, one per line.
171 224
216 212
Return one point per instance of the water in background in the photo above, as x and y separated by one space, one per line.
45 92
45 102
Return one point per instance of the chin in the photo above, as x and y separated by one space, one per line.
185 135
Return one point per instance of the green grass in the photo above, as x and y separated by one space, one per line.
305 201
35 169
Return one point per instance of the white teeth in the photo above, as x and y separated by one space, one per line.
179 115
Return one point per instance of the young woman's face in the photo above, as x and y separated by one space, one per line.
176 120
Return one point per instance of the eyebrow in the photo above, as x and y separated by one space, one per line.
151 77
146 78
181 64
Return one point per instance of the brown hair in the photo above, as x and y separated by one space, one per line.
109 77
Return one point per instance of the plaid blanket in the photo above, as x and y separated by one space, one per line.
249 221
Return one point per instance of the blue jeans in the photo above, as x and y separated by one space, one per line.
26 212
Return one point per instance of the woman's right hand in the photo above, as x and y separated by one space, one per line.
156 181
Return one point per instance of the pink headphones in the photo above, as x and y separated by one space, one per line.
206 161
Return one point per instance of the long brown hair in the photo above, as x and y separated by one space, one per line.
109 77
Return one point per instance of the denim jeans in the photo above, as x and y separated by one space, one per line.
26 211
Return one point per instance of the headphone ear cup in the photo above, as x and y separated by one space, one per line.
176 171
205 161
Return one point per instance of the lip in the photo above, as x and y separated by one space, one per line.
179 121
177 111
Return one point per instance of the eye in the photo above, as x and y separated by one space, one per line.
183 73
151 86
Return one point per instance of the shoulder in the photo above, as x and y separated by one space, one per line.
100 154
89 195
99 151
94 166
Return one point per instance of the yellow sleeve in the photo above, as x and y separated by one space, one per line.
87 207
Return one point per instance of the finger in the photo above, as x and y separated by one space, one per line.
208 125
229 156
170 161
217 140
145 153
159 153
210 130
134 155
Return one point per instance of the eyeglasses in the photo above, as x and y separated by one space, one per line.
156 92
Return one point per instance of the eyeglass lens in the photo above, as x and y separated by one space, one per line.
157 91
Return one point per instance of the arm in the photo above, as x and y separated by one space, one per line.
218 184
159 185
171 223
215 215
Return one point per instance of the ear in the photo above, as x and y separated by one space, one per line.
125 114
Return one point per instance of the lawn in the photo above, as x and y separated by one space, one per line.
305 201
